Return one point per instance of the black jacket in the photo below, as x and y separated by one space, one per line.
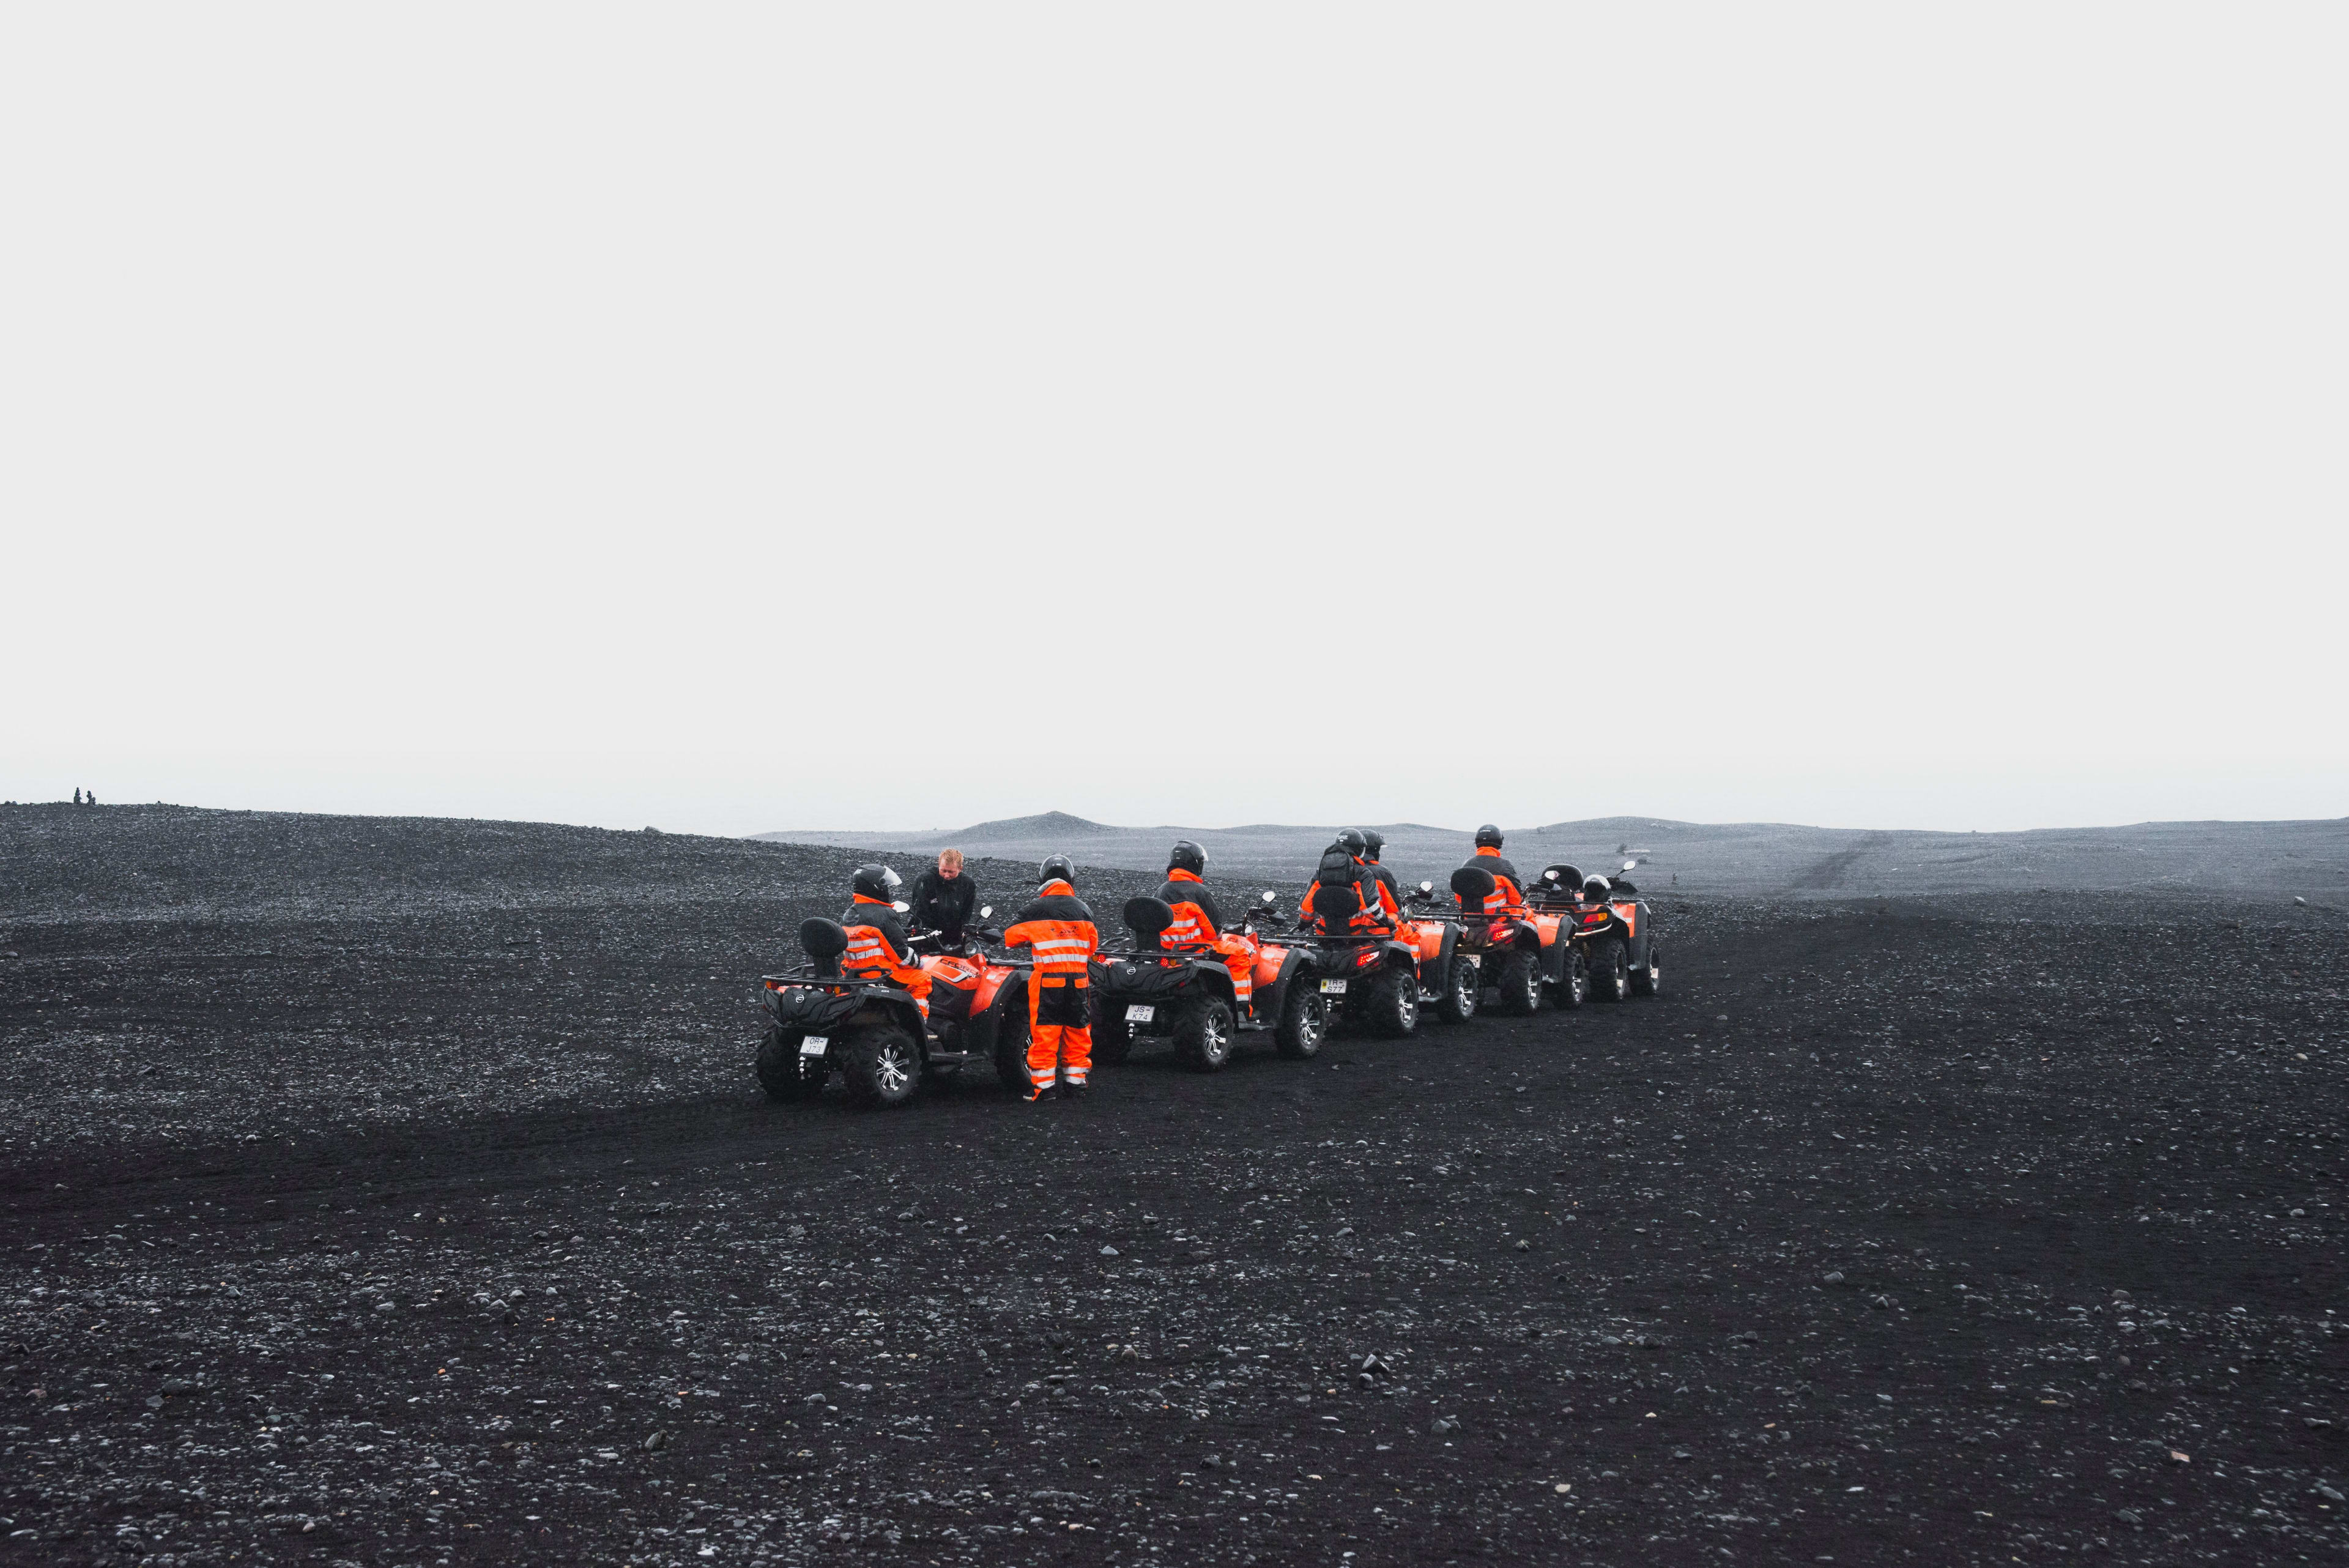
1494 866
884 919
1176 892
1387 876
942 906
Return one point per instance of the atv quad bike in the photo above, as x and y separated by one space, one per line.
871 1031
1371 979
1613 923
1184 995
979 1006
1524 955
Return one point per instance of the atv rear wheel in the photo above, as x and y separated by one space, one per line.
1113 1035
1520 985
1456 1004
1574 981
1610 970
883 1067
1649 977
1011 1047
783 1073
1390 1004
1203 1036
1304 1021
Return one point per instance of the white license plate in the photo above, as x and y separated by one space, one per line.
1475 961
1138 1013
1333 988
814 1044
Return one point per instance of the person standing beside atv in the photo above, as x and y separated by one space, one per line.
1200 923
1508 890
944 898
1059 929
876 937
1376 908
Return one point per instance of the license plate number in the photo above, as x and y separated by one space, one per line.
1138 1013
1333 988
1475 961
814 1046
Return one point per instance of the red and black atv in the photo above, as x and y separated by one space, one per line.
872 1030
1186 995
1523 955
1613 923
1371 980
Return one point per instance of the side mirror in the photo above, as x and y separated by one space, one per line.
1629 865
985 910
1427 887
1270 897
902 907
1550 876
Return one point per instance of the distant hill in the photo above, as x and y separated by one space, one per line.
2306 858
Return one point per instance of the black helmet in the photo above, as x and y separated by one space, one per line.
1057 868
875 880
1489 838
1352 841
1594 890
1376 841
1187 856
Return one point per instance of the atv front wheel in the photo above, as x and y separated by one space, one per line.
1610 970
1649 977
1304 1021
783 1073
883 1067
1390 1004
1520 985
1457 1002
1203 1036
1574 983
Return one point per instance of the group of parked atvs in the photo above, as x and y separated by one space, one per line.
1574 939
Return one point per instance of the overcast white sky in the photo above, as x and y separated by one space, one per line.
863 416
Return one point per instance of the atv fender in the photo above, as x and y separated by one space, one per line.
1272 995
897 1008
1433 972
985 1024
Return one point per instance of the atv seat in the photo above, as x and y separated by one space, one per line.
823 940
1147 918
1472 884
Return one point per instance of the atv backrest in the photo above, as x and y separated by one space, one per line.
823 940
1147 918
1474 885
1338 904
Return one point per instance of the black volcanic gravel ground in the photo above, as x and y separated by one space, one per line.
399 1192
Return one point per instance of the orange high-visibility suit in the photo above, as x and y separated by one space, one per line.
1507 893
1058 928
878 949
1200 923
1379 911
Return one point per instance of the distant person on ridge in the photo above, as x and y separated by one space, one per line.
77 795
944 898
1059 929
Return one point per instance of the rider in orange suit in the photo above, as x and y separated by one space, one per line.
1058 929
1508 892
877 937
1378 911
1200 923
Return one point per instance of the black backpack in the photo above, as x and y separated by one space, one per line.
1337 870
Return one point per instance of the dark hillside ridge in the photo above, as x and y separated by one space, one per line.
2306 859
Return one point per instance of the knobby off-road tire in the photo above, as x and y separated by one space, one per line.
781 1072
1649 977
1456 1002
1390 1004
883 1067
1519 985
1011 1047
1574 980
1113 1035
1304 1021
1610 970
1203 1036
